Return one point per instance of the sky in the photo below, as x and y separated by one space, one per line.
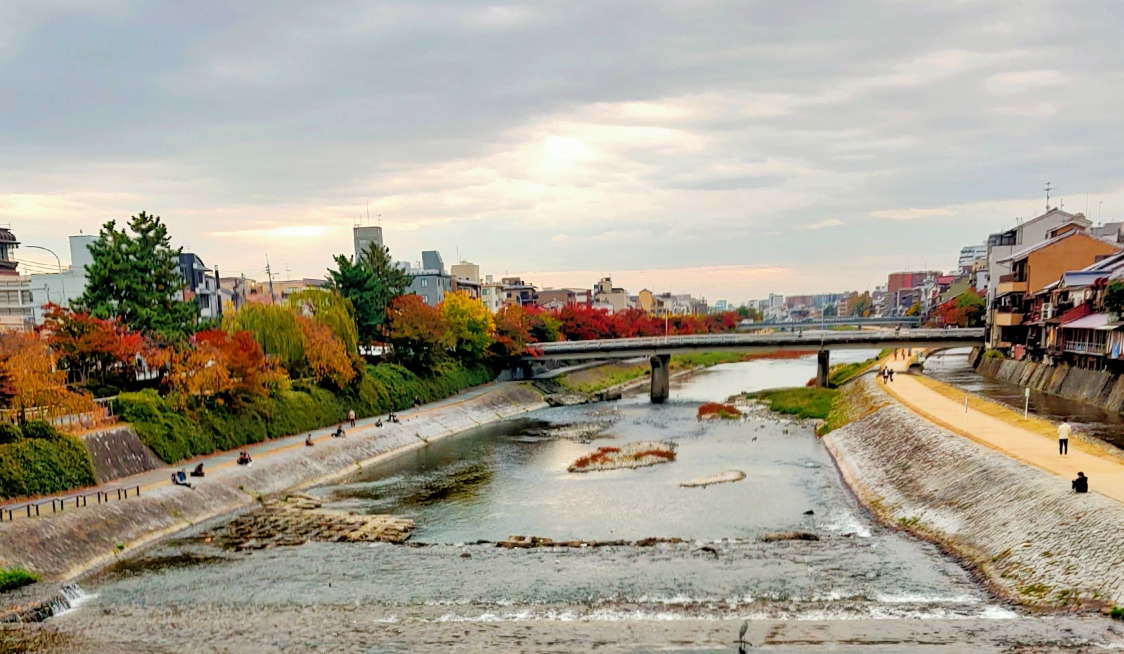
727 149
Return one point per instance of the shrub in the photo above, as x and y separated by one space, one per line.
10 433
38 429
993 354
48 463
1117 613
16 577
802 402
723 411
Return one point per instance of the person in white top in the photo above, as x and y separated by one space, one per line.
1063 436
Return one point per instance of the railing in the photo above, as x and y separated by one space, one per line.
1013 277
1085 347
58 505
100 417
811 339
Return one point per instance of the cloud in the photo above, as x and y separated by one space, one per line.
830 222
1017 82
911 214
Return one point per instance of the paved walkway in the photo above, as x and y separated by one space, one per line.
1106 474
218 460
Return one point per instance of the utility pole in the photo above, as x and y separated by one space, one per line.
269 273
242 288
218 290
1048 189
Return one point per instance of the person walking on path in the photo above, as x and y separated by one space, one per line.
890 374
351 417
1064 431
417 403
1081 484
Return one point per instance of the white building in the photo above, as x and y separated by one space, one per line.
63 288
969 254
16 299
491 294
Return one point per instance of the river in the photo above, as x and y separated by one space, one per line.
511 478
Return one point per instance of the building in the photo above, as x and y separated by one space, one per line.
969 254
516 292
63 288
491 294
904 289
1001 245
554 299
239 290
364 237
720 306
200 285
609 297
430 281
16 299
466 271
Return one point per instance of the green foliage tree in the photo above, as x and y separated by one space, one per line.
1114 297
862 305
972 306
274 326
830 311
134 277
331 309
370 283
748 313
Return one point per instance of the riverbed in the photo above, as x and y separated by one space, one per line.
511 479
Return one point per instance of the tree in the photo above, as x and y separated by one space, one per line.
324 354
862 305
134 278
913 309
748 313
830 311
250 371
513 332
370 283
330 308
418 333
92 348
470 324
30 379
274 326
1114 297
585 323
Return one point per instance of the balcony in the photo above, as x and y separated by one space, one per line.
1085 347
1011 284
1007 319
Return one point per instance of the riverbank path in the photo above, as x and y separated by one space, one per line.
1105 472
258 451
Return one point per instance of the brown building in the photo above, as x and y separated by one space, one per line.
906 280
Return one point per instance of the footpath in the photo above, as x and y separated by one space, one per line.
1105 473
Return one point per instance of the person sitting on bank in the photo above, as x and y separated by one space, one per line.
244 458
378 422
198 471
339 432
180 479
1081 484
308 441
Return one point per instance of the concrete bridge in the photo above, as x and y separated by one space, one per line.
890 321
659 349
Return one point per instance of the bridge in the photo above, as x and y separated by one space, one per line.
659 349
851 321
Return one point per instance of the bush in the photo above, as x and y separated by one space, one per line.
723 411
39 429
50 462
993 354
175 435
16 577
10 433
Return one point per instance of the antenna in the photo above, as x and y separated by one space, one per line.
368 213
379 216
1048 189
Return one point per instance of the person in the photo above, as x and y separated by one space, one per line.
308 441
1064 431
180 479
198 471
890 373
244 458
417 403
339 433
895 355
351 417
1081 484
378 422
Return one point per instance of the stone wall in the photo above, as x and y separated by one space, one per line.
1030 538
118 452
1096 387
64 545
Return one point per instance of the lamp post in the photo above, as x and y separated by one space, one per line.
62 280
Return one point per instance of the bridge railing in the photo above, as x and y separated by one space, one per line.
812 339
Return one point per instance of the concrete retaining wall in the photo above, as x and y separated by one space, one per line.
1095 387
118 452
64 545
1022 529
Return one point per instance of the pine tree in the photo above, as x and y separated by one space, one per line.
370 283
135 279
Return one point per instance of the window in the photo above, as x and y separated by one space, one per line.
425 283
487 291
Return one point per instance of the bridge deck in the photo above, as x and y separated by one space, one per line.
620 348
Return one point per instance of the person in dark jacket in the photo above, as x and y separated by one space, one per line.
1081 484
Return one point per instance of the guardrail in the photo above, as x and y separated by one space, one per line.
811 339
58 505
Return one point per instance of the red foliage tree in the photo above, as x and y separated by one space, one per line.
91 347
250 371
418 333
513 332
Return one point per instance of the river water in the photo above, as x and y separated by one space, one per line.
952 368
511 478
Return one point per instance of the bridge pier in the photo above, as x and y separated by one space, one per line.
823 368
661 379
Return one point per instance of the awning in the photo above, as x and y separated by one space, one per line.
1092 321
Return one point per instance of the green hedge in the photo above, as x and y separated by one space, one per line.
176 435
41 461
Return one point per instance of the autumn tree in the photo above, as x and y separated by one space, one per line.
417 333
324 355
370 283
331 309
545 326
30 379
274 326
584 323
250 371
470 324
92 348
199 371
135 278
512 332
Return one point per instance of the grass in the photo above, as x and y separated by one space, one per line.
800 402
16 577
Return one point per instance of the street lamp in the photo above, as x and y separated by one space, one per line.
62 280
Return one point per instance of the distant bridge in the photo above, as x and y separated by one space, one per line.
852 321
659 349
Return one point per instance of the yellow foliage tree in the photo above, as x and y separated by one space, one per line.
469 322
32 383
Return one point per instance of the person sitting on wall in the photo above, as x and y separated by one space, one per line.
308 441
180 479
198 471
244 458
1081 484
339 432
378 422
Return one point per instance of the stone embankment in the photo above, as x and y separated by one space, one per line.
1021 529
64 545
1096 387
118 452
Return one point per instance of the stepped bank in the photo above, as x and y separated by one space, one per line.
1096 387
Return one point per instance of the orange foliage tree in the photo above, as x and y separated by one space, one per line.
90 347
418 333
326 356
219 363
31 383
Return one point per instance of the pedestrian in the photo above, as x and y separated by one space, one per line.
1063 437
351 417
895 355
1081 484
891 374
417 403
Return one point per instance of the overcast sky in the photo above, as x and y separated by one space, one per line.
728 149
